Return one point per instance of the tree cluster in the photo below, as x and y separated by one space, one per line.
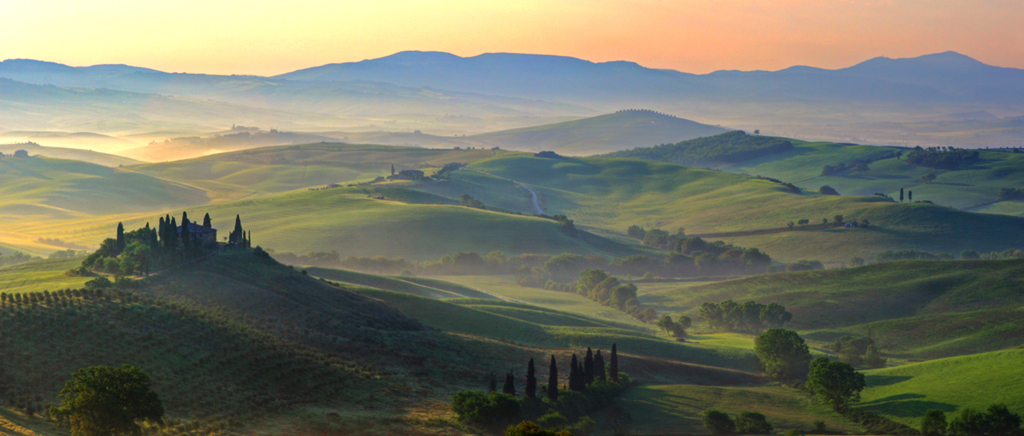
783 354
591 385
605 289
836 383
944 158
749 317
730 147
718 422
996 421
675 328
858 351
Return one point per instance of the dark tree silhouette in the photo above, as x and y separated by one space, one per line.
599 373
588 367
531 380
552 380
613 364
120 238
901 195
207 222
103 400
510 384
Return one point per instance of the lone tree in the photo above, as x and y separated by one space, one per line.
613 364
552 380
934 423
783 354
718 422
836 383
120 238
104 400
928 178
531 380
901 195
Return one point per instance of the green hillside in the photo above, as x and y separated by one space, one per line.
429 288
41 188
723 149
40 275
33 149
913 309
906 393
349 221
974 187
615 193
601 134
277 169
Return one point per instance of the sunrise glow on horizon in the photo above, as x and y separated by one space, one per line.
697 36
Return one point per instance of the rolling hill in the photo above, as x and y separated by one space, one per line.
615 193
605 133
906 393
712 151
913 309
283 168
38 188
80 146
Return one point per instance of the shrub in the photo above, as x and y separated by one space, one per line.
718 422
827 190
934 423
783 354
753 423
477 408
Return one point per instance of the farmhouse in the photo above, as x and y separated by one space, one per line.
407 175
206 235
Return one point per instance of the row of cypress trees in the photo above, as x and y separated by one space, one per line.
580 374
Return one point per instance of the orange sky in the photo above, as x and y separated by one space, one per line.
699 36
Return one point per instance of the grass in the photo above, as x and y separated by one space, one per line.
962 188
913 309
39 188
678 409
40 275
906 393
520 325
235 175
428 288
600 134
614 193
347 220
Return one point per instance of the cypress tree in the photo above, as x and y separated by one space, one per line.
492 382
392 169
510 384
588 367
613 364
531 380
573 372
236 234
599 367
901 195
172 230
910 195
207 222
154 243
120 237
553 380
248 240
186 234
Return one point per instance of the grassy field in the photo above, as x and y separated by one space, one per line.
677 409
39 188
37 276
613 194
962 188
906 393
235 175
600 134
347 220
913 309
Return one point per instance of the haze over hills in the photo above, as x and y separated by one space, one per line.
878 100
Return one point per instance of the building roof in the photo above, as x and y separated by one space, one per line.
198 229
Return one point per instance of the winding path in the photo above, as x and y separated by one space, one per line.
533 194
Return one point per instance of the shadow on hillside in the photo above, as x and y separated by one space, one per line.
885 380
905 406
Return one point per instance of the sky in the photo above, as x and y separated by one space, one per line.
267 37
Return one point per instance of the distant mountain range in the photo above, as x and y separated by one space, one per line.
447 95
